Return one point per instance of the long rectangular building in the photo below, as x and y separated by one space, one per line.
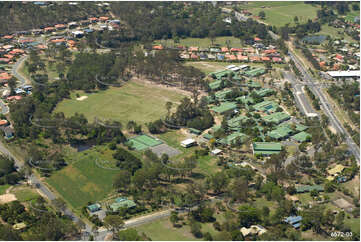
266 148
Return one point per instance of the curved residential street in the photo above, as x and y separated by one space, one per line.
23 81
15 71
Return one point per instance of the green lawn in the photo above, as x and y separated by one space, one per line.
133 101
173 138
82 180
202 42
3 188
207 164
163 230
354 224
26 194
281 13
334 33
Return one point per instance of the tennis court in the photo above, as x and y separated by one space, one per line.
143 141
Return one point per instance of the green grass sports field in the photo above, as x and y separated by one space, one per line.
282 13
82 180
133 101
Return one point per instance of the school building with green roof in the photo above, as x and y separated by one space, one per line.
224 107
264 92
308 188
302 137
266 106
255 72
254 84
266 148
280 133
235 123
220 74
216 85
245 100
122 202
221 95
232 138
276 118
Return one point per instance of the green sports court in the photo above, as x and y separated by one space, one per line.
142 142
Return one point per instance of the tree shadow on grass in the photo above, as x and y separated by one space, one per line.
197 175
182 180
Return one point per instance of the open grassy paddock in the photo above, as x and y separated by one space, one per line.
82 180
25 194
282 13
133 101
163 230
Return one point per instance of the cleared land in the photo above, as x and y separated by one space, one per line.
133 101
83 181
212 66
282 13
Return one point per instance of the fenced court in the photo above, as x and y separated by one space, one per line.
161 149
142 142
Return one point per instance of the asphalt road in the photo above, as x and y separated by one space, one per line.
327 108
15 69
300 97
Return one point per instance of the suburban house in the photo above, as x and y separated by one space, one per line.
94 207
295 221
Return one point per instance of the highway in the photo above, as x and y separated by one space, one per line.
354 148
300 96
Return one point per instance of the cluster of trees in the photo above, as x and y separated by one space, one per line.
127 161
300 30
132 235
307 53
40 225
341 7
8 173
348 96
166 68
156 127
150 21
25 16
192 114
315 100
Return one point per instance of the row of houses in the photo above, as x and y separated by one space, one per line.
230 57
62 26
344 56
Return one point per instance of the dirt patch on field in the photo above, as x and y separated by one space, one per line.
82 98
166 87
7 198
333 130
